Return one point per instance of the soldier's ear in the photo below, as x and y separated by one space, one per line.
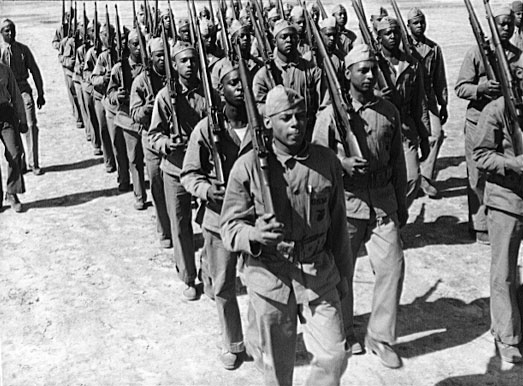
268 123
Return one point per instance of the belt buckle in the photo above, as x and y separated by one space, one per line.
288 250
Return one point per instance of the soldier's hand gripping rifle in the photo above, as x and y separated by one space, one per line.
406 39
384 75
260 137
215 124
488 56
512 94
342 108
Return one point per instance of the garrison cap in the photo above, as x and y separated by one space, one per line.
225 68
282 25
6 23
91 25
133 34
229 13
517 6
104 27
281 99
180 47
236 28
297 12
338 8
243 13
359 53
386 23
327 23
273 13
382 12
312 7
415 13
155 45
164 12
502 10
207 27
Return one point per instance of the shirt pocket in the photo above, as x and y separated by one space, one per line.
318 214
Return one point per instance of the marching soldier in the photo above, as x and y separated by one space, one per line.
118 95
409 98
375 192
13 121
184 30
495 154
189 106
329 34
298 19
79 65
294 258
214 53
199 178
517 38
21 61
143 91
346 37
473 85
435 81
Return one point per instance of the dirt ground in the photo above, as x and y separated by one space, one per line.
87 297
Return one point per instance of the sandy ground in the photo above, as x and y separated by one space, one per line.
88 298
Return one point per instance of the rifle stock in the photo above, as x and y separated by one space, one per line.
109 37
84 32
119 42
96 30
323 13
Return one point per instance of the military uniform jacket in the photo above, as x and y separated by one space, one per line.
377 127
89 63
308 199
21 60
116 81
517 39
471 75
10 94
101 75
435 80
198 165
79 63
410 99
189 109
493 146
68 54
346 40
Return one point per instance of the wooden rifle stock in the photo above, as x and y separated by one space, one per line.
260 137
226 42
509 86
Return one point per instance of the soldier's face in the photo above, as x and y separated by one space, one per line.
390 38
244 40
273 21
287 41
505 26
518 16
363 75
315 15
167 20
209 40
288 128
329 37
134 47
299 23
418 26
158 60
9 33
186 64
246 20
233 89
341 18
185 35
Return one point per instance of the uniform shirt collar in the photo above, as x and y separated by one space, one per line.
284 65
358 106
283 157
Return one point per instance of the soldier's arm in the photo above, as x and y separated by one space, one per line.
140 104
397 162
16 97
196 167
56 39
158 133
260 89
99 79
114 84
468 78
68 56
35 71
419 107
440 79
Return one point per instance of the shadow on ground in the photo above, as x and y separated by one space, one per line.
71 199
74 165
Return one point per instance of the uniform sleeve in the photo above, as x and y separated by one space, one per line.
98 77
158 131
89 65
35 71
440 78
56 38
420 106
260 89
115 82
238 215
468 78
397 161
489 138
69 55
16 97
140 102
196 167
338 236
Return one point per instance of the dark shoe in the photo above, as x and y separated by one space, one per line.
190 293
352 344
384 351
139 204
80 125
507 352
230 360
166 243
98 152
427 187
482 238
110 169
38 171
123 188
14 202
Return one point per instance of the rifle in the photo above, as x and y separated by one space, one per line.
342 107
156 16
75 23
406 39
143 48
119 43
176 135
173 23
322 9
86 37
260 137
281 10
212 12
226 42
192 27
384 76
216 127
146 17
109 38
150 21
65 27
135 21
309 34
512 93
265 47
96 31
488 56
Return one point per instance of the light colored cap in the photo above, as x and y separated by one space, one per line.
229 14
502 10
415 13
225 67
282 25
133 34
359 53
207 27
329 22
243 13
338 8
155 45
103 28
281 99
386 23
164 12
517 6
380 13
6 23
312 7
297 12
180 47
273 13
236 27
